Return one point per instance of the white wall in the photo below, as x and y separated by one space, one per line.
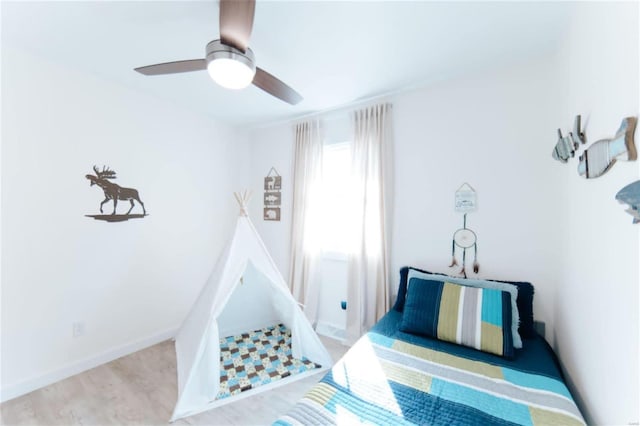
130 283
272 147
493 130
597 299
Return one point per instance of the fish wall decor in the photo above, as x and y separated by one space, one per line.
603 154
630 195
567 146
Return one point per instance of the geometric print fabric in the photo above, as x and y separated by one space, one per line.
253 359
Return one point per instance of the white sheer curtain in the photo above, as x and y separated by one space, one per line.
304 273
368 293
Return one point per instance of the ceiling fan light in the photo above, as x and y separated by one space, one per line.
230 73
230 67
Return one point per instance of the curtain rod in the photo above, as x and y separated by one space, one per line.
329 111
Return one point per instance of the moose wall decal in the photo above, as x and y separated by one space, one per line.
114 192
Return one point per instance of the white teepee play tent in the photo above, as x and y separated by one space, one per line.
244 292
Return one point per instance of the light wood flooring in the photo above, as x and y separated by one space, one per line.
141 389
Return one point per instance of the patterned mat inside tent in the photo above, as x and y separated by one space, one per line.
253 359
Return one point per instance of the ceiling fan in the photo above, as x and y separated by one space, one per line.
229 60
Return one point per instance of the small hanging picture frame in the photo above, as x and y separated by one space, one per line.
272 195
273 198
465 199
272 213
273 181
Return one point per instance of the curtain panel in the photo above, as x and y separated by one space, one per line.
368 262
304 274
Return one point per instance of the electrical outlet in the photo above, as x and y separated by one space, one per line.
78 329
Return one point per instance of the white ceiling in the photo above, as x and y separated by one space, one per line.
333 53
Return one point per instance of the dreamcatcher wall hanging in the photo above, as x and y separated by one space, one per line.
465 238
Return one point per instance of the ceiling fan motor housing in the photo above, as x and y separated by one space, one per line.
218 50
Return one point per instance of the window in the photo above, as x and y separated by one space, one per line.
336 175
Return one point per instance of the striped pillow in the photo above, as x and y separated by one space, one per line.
476 317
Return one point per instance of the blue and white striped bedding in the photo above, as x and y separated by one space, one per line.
389 381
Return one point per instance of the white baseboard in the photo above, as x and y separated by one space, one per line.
71 369
331 330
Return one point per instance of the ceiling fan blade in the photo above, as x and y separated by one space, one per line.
174 67
236 22
275 87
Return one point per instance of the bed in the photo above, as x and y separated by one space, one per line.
394 375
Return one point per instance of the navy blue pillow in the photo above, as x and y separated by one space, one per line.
402 287
524 301
421 312
525 307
